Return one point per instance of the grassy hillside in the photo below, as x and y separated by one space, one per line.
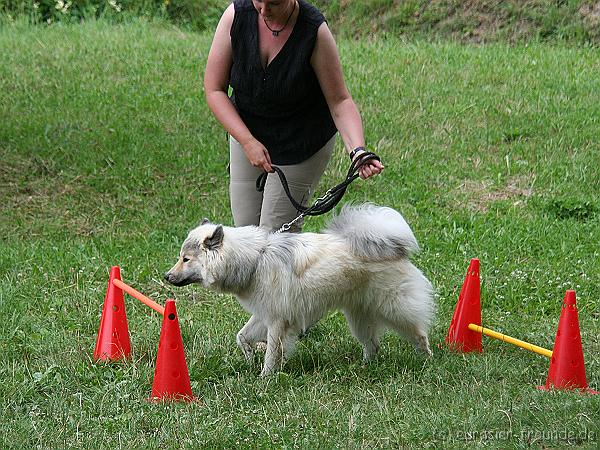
469 21
475 21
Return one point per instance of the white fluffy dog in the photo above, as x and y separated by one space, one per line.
287 282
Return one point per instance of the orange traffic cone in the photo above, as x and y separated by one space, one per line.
567 368
113 335
171 378
468 310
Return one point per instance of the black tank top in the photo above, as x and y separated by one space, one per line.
283 105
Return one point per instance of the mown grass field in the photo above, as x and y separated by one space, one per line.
109 156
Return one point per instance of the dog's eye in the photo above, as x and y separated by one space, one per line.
186 259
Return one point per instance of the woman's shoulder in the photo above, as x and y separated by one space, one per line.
311 14
243 5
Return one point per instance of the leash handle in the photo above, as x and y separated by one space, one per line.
331 198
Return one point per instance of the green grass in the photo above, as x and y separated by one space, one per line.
110 155
474 21
479 21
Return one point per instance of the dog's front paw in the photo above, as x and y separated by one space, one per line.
265 372
269 368
245 347
370 351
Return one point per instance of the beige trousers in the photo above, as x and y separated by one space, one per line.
271 208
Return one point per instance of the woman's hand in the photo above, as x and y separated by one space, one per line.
370 168
258 155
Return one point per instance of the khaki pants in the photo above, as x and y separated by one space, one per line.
271 208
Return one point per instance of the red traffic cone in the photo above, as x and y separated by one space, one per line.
468 310
113 335
171 377
567 368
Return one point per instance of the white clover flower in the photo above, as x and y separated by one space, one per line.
65 9
36 5
59 5
115 5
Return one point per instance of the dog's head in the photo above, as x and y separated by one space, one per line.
199 250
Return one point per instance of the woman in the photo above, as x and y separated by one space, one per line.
289 99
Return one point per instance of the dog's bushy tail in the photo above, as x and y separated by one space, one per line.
374 232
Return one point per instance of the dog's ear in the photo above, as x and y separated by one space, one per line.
204 221
213 242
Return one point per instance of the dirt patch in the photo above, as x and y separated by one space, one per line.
37 194
480 195
590 14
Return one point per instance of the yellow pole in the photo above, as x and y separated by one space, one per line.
510 340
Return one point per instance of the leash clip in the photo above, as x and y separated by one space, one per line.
286 226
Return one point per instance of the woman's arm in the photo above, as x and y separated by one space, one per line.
326 64
216 84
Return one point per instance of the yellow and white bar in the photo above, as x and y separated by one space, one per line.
510 340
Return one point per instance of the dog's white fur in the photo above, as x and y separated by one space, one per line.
287 282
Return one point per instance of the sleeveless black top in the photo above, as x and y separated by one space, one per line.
283 105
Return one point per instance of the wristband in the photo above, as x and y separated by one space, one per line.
355 151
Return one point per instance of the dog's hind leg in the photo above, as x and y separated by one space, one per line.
254 331
414 333
421 343
365 329
280 344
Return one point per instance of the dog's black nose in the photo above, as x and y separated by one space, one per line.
167 277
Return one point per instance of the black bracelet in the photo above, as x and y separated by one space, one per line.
355 151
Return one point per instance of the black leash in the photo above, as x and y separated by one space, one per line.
331 198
